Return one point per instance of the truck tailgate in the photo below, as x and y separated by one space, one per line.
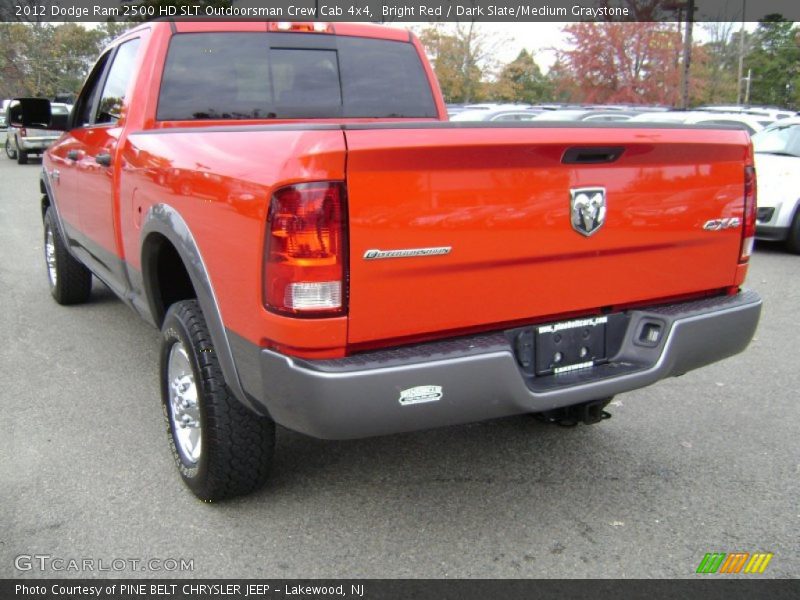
501 199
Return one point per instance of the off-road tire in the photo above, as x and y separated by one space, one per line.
22 157
793 239
72 283
236 445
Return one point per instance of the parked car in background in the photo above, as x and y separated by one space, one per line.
454 109
496 105
3 135
777 158
772 113
609 116
751 123
498 114
21 142
3 122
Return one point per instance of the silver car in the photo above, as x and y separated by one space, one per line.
21 141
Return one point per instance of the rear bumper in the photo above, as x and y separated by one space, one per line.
34 145
771 234
480 378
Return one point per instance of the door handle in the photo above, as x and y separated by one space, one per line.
74 155
103 159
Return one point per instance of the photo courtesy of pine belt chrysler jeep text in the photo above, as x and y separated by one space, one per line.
323 250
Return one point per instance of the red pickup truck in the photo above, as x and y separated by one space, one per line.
323 250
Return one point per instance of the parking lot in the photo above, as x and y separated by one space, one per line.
709 462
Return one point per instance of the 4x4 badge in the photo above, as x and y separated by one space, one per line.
587 209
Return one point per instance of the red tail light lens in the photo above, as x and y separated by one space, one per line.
750 209
23 132
305 268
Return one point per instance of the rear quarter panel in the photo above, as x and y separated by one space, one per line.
220 180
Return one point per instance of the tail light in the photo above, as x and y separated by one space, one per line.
750 208
23 132
305 270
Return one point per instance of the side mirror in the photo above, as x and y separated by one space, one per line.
36 114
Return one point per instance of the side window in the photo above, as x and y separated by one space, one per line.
113 98
89 93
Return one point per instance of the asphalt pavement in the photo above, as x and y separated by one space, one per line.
708 462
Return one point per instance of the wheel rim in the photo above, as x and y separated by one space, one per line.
50 256
184 411
9 152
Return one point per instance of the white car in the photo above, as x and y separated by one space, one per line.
778 168
751 123
773 114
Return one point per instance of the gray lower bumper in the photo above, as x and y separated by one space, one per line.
771 234
480 379
35 145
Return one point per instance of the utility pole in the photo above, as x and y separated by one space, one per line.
747 89
741 57
687 54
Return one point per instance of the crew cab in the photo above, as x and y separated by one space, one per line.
321 249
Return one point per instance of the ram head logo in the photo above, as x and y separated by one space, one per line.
587 209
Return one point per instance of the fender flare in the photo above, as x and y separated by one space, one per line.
46 187
166 221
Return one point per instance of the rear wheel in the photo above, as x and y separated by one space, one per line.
793 239
10 152
220 448
22 157
70 282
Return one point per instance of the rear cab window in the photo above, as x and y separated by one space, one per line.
291 76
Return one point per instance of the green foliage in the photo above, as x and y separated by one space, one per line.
521 80
45 59
462 56
715 64
775 63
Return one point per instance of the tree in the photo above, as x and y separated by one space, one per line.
623 62
521 80
774 61
562 84
715 64
461 55
108 31
43 59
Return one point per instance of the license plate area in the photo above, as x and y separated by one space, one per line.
570 345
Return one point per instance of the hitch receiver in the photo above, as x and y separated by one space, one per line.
587 413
